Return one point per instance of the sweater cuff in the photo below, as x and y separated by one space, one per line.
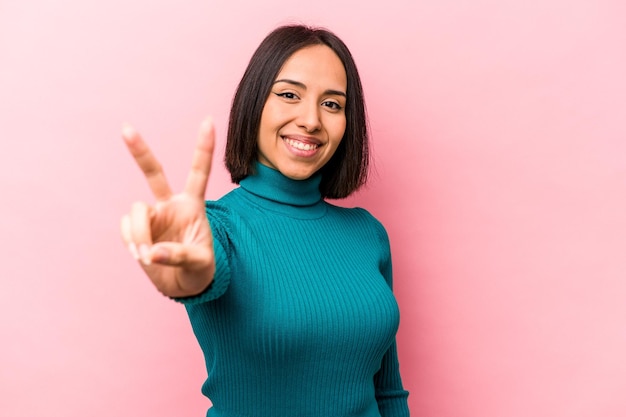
220 282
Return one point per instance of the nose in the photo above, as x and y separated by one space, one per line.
309 117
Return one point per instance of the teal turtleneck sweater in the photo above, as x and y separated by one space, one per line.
300 320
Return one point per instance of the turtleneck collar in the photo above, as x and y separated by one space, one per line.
272 190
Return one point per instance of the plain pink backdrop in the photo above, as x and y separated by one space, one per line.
500 152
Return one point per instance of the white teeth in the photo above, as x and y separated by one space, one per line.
300 145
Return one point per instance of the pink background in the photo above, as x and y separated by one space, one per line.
501 177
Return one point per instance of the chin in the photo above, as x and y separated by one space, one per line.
299 176
297 173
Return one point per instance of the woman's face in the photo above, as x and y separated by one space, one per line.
304 117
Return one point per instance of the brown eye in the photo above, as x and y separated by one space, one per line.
332 105
287 95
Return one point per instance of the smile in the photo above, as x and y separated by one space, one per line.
303 146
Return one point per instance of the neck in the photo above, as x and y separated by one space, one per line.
271 189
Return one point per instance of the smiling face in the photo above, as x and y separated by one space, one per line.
304 117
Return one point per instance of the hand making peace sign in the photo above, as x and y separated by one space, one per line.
172 238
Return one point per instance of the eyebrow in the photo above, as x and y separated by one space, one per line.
303 86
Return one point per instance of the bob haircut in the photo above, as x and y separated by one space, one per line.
347 170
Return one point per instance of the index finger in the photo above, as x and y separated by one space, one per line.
149 165
202 157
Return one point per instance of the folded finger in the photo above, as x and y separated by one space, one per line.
147 162
191 257
202 157
140 230
125 228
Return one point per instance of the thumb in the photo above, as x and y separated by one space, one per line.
177 254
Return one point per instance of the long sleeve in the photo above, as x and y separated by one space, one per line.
216 215
390 394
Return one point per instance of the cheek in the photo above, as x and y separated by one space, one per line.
339 129
268 116
265 121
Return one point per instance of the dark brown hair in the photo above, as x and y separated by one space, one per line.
347 170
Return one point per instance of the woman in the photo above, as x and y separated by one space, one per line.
289 296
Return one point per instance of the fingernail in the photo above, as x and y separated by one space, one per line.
161 255
144 252
127 130
207 122
133 250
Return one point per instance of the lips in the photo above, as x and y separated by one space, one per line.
302 143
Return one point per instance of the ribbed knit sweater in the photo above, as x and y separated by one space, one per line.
300 319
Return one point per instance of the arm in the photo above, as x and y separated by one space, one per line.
390 394
217 216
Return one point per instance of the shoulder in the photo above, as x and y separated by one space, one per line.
371 236
362 219
222 208
220 214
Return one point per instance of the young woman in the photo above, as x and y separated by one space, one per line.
289 296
